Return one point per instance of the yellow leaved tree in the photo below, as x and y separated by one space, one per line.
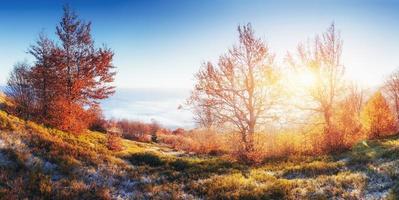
377 117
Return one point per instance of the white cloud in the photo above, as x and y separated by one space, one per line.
146 104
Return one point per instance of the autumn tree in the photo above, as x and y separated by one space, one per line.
323 59
85 71
347 120
392 90
133 130
44 77
69 76
240 90
20 90
377 116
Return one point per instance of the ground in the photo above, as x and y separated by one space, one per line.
43 163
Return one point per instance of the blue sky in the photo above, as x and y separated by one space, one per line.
161 44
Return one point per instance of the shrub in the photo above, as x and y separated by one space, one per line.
178 131
180 164
114 142
146 158
198 141
40 185
154 137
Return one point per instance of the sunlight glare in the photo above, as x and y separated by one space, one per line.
306 78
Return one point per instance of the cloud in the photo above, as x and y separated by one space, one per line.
147 104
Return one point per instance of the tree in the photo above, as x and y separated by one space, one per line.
67 80
392 90
347 121
240 90
44 76
377 117
154 127
85 72
323 59
20 90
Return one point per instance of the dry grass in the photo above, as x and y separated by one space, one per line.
43 163
267 146
200 142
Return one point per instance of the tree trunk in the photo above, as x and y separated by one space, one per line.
327 129
250 138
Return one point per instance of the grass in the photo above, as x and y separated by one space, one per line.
45 163
368 151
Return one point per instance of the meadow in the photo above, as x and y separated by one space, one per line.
43 163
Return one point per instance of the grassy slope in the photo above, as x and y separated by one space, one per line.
41 163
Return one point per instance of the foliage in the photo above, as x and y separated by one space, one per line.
377 117
35 155
146 158
197 141
136 130
65 79
114 142
347 120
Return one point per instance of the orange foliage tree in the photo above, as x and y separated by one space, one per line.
347 119
377 117
69 79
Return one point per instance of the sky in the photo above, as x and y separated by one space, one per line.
159 45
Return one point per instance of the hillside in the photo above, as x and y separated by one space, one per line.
42 163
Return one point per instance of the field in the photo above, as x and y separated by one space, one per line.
42 163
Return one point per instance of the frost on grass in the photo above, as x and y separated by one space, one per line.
346 177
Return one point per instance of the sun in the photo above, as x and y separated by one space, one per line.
300 81
305 78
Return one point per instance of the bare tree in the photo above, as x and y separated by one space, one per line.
354 99
204 116
392 90
20 90
239 91
323 58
